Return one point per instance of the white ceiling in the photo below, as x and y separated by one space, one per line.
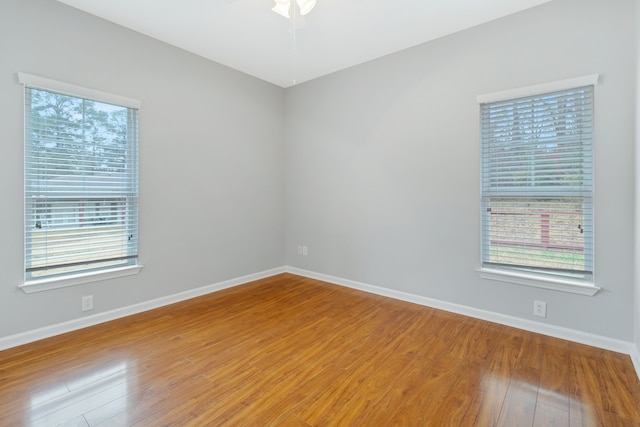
247 36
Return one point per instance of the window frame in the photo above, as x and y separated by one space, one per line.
521 276
45 283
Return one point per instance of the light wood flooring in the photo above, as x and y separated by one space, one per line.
290 351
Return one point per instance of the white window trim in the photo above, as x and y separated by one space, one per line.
513 276
521 92
42 285
77 91
537 281
48 284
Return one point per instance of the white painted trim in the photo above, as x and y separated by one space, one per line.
72 325
78 279
635 358
537 281
78 91
516 322
538 89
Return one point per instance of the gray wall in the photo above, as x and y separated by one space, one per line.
637 181
211 159
382 160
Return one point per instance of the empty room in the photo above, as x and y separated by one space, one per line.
320 213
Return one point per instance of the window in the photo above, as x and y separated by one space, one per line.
81 180
537 185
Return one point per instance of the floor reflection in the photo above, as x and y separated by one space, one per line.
506 394
97 394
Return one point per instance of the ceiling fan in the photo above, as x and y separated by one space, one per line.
283 7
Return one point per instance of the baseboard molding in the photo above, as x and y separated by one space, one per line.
524 324
72 325
635 358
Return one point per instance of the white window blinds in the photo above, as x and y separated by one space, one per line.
537 183
81 184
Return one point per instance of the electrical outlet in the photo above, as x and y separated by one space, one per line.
304 250
87 303
299 250
540 308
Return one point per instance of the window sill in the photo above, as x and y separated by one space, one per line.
562 285
77 279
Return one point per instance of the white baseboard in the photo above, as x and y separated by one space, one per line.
516 322
635 358
72 325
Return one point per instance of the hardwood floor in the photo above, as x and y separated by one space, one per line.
290 351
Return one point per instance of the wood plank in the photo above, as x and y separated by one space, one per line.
555 375
520 401
548 415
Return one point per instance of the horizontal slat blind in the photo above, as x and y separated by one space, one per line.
537 180
81 187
